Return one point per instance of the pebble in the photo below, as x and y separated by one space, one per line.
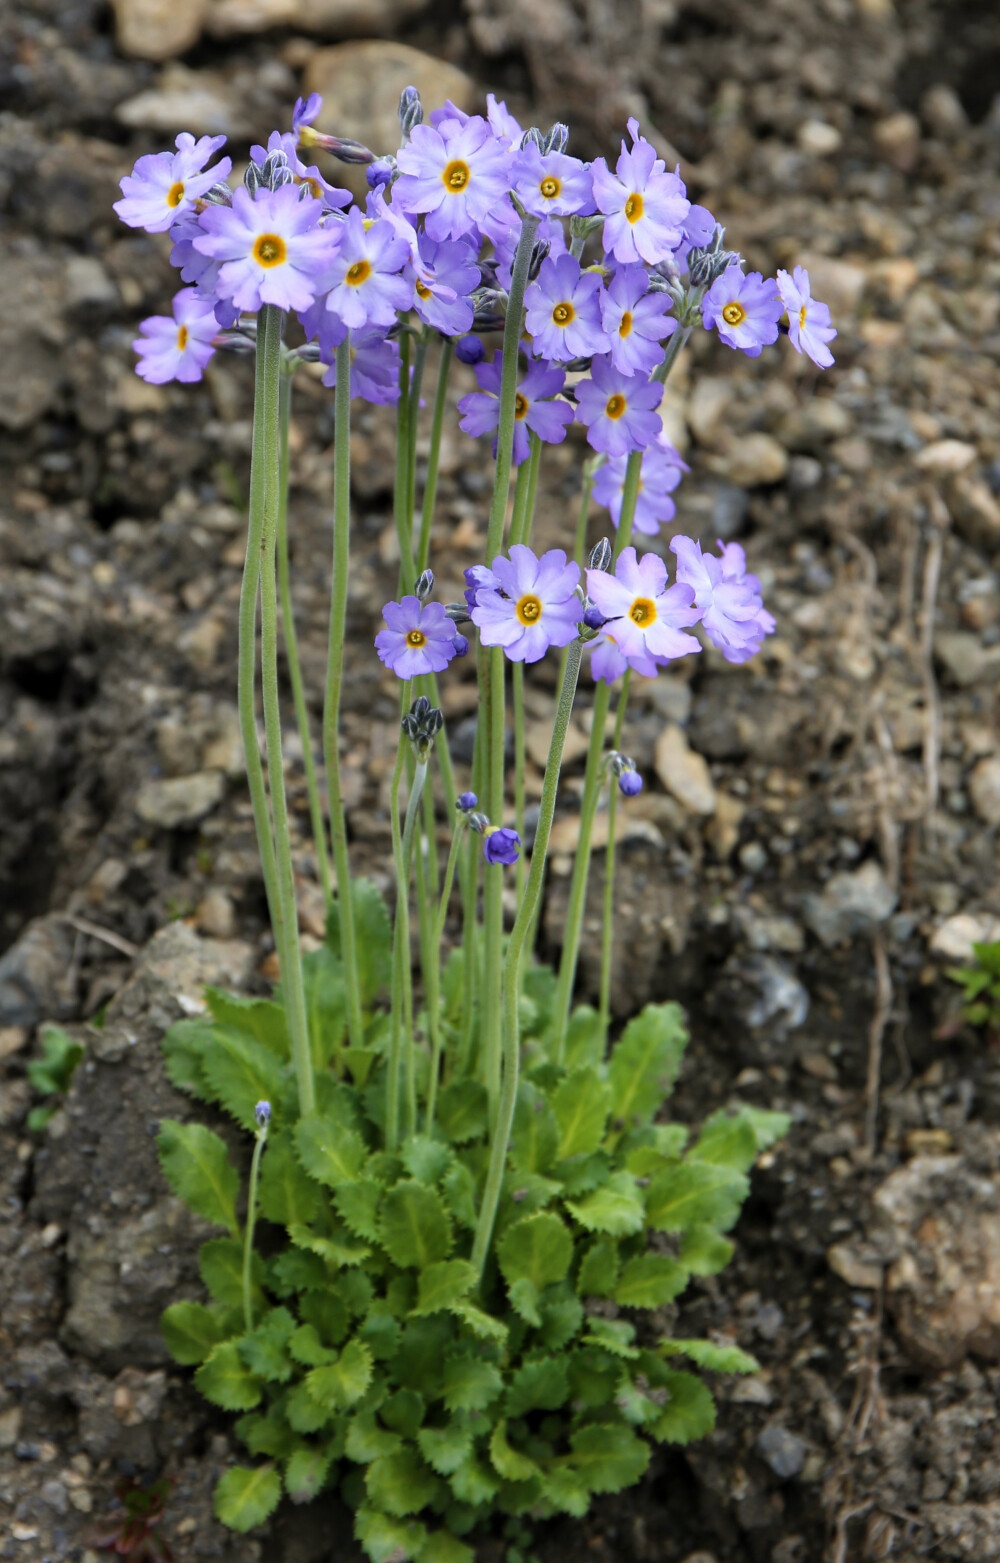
753 460
965 658
216 915
329 18
180 800
945 458
984 790
853 902
783 1451
361 83
956 936
683 772
202 101
33 971
10 1427
942 111
897 138
818 138
855 1271
157 29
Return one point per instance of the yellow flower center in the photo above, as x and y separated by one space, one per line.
422 290
634 207
642 612
625 324
615 406
734 314
550 187
358 273
182 338
270 249
528 609
416 639
175 194
456 176
563 313
520 406
802 318
314 186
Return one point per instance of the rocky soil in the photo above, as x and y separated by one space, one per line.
817 840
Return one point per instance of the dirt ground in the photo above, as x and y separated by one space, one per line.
801 891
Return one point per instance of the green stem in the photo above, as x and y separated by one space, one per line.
396 1012
512 964
416 381
404 515
508 385
490 1010
607 925
248 1230
520 758
580 545
289 954
406 972
335 684
292 652
432 976
522 485
434 454
523 534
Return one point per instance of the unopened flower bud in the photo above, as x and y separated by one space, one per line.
600 555
253 178
556 139
420 707
538 254
479 822
458 612
533 138
466 801
262 1114
629 783
594 618
461 644
410 111
469 350
218 195
425 585
380 173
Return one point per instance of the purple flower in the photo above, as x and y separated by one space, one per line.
162 185
551 231
552 184
645 206
533 407
745 310
635 320
479 576
192 265
699 227
271 246
470 350
630 783
332 196
645 616
420 638
374 366
445 276
177 346
661 472
618 409
728 600
364 285
809 325
501 845
306 111
563 311
453 173
606 661
504 126
535 607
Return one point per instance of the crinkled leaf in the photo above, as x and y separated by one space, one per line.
342 1383
583 1174
388 1540
419 1363
594 1375
61 1054
649 1281
615 1208
336 1251
241 1072
415 1226
581 1104
326 1004
584 1037
524 1300
566 1490
689 1412
265 1348
510 1463
246 1495
295 1271
704 1251
645 1062
614 1335
444 1283
183 1047
459 1190
190 1331
381 1332
197 1167
648 1150
306 1473
403 1412
330 1153
474 1482
599 1269
470 1382
542 1384
304 1413
442 1547
367 1441
607 1456
425 1159
482 1324
462 1111
262 1019
535 1135
226 1381
401 1483
445 1448
735 1138
308 1349
357 1207
537 1249
562 1315
372 938
695 1193
285 1194
708 1354
220 1262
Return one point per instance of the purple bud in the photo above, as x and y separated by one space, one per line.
594 618
379 173
629 783
461 645
469 350
501 845
466 801
262 1114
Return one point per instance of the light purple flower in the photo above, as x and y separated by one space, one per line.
699 227
635 320
661 472
809 324
470 350
505 127
271 246
646 617
618 409
332 196
454 173
363 285
162 185
501 844
563 311
727 598
306 111
420 638
177 346
550 231
552 184
192 265
536 606
374 366
533 407
606 661
745 310
645 207
445 275
479 576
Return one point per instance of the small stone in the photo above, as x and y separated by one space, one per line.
683 772
723 832
855 1271
180 801
157 29
361 83
708 409
852 902
33 974
783 1451
819 139
22 1532
216 915
945 458
12 1039
88 286
753 857
329 18
965 658
984 790
202 101
955 938
752 1391
942 111
80 1498
753 460
928 1142
10 1427
897 138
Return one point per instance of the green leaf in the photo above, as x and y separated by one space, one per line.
372 937
615 1208
608 1456
401 1483
268 1433
567 1491
583 1174
562 1315
510 1463
459 1189
367 1441
535 1135
341 1384
415 1226
594 1377
357 1207
285 1194
381 1332
259 1018
425 1159
245 1496
60 1056
645 1062
226 1381
240 1073
336 1251
326 1004
695 1193
294 1271
542 1384
474 1483
329 1152
599 1269
442 1547
480 1323
304 1413
649 1281
387 1540
462 1111
470 1382
307 1348
584 1037
419 1363
331 1311
39 1117
220 1262
537 1249
306 1473
183 1047
734 1138
403 1412
614 1335
190 1331
265 1348
708 1354
445 1448
359 1061
444 1283
524 1301
688 1414
196 1166
704 1251
649 1149
581 1105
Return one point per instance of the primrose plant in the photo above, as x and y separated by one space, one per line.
441 1295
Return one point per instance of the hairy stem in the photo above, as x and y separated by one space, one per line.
432 978
248 1230
434 454
607 925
